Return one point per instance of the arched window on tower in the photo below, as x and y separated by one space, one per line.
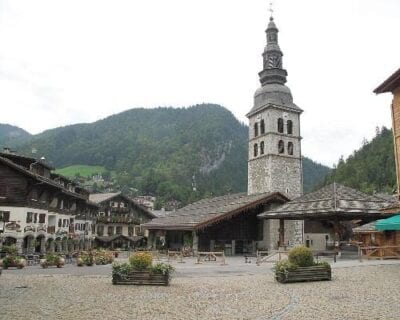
280 125
262 147
281 146
290 127
290 148
256 150
256 129
262 127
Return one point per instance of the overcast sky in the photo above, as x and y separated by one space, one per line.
65 62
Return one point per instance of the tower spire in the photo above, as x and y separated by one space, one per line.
273 72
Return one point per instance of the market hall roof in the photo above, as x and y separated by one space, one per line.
206 212
332 201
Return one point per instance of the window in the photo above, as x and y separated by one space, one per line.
262 147
281 146
110 231
29 217
35 216
290 148
59 223
42 218
5 216
289 127
262 127
118 230
256 150
130 231
280 125
100 230
256 129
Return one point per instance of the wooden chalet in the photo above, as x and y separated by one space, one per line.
118 224
227 223
38 209
328 214
379 239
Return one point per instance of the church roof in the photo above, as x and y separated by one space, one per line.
332 201
206 212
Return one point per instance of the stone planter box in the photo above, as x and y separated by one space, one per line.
301 274
143 278
16 263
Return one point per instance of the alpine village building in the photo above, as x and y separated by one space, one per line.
41 211
230 222
118 223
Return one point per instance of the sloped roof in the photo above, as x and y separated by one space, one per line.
101 197
44 180
390 84
334 200
208 211
367 228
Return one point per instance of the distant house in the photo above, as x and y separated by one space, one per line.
119 222
39 210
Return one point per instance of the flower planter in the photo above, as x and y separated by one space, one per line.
18 263
142 278
44 263
301 274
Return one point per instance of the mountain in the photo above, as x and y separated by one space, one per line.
10 135
182 154
370 169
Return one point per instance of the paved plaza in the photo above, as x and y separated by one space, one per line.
238 290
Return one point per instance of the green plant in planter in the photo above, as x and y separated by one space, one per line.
284 266
13 261
120 271
11 249
162 268
301 256
141 260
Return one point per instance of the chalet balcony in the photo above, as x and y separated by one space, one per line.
116 219
119 210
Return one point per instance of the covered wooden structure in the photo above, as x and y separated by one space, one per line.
227 223
379 239
328 211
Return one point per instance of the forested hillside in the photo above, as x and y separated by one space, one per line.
371 168
181 154
10 135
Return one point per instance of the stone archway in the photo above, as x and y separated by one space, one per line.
40 246
28 244
9 241
50 245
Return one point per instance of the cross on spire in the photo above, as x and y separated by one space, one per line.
271 9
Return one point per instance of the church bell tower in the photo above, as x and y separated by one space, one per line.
274 160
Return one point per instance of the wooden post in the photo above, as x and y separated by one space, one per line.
281 232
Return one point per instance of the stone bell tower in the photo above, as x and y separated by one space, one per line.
274 160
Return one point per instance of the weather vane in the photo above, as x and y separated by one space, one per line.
270 8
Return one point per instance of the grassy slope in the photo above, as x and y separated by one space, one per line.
82 170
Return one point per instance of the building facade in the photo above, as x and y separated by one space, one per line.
119 221
274 160
39 211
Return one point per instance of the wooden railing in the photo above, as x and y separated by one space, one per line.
379 252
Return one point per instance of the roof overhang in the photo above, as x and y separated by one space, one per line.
331 215
390 84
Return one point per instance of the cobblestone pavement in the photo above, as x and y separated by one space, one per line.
236 291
